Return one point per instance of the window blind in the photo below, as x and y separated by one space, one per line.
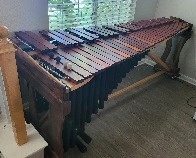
74 13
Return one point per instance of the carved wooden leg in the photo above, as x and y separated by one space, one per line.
183 39
177 53
56 117
166 52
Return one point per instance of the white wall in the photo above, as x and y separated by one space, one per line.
20 15
4 110
145 9
184 9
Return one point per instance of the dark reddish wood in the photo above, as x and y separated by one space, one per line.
104 30
115 60
114 50
128 45
85 32
96 31
105 52
81 35
91 57
157 35
46 33
133 27
118 29
46 84
108 50
119 47
55 128
95 54
167 50
97 57
134 42
65 38
77 69
70 36
31 41
75 78
77 61
84 59
41 40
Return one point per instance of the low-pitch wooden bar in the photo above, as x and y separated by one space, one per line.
117 29
117 46
100 33
95 54
128 45
108 56
46 33
77 61
41 40
31 41
153 23
85 32
79 70
122 54
21 45
130 26
81 35
104 30
134 42
91 57
75 78
70 36
82 58
99 46
65 38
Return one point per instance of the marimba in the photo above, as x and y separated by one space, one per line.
72 72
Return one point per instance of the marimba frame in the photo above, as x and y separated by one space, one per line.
57 93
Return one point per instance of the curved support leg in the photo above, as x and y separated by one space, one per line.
165 54
183 39
178 51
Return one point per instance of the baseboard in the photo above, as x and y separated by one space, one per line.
188 79
182 76
1 156
143 61
149 62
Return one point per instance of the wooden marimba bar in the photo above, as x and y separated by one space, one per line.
89 63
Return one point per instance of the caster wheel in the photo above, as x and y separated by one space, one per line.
155 69
173 77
